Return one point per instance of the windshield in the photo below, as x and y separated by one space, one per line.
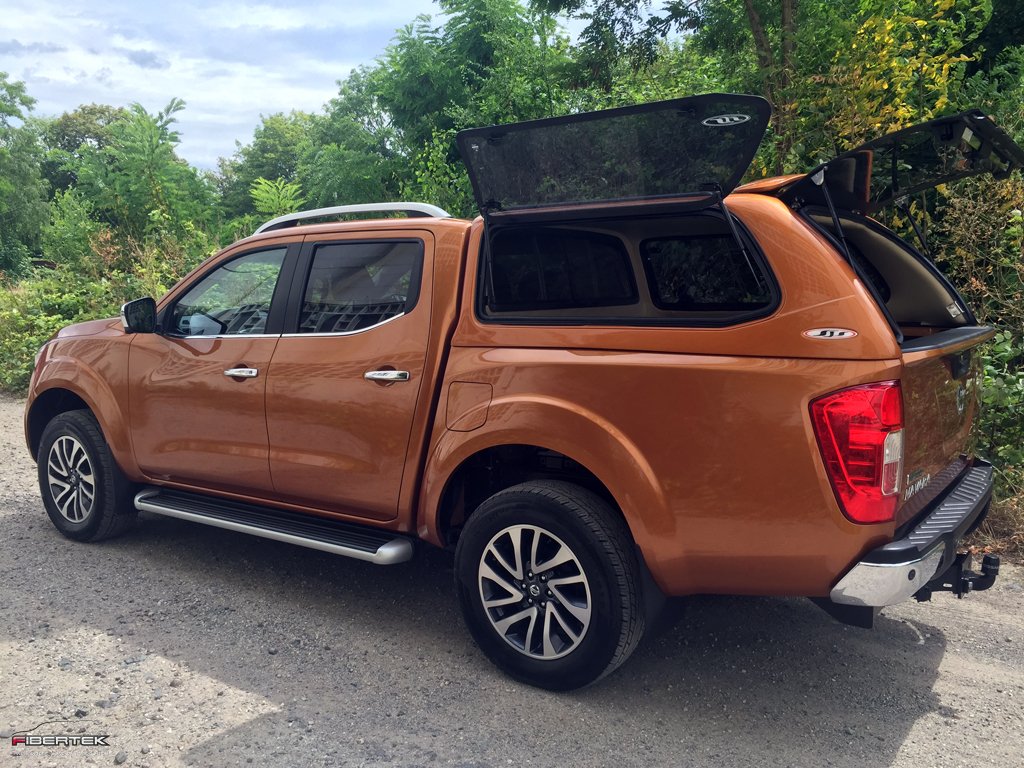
690 146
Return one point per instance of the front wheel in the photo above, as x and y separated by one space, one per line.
549 584
85 493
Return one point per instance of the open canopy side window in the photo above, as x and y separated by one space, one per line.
697 147
878 173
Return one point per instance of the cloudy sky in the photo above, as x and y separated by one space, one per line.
230 60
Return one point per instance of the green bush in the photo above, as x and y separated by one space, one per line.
68 237
1001 426
37 307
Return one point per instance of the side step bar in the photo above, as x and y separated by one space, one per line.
339 538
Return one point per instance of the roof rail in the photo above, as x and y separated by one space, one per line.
411 209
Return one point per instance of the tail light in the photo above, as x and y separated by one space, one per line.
860 434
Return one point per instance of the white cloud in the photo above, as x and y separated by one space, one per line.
238 15
229 61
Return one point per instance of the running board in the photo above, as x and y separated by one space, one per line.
339 538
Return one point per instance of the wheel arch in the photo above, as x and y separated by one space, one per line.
45 407
563 442
60 397
498 467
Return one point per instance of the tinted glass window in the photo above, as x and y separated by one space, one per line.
558 269
653 150
233 299
705 272
353 286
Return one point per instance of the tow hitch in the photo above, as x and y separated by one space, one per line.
960 579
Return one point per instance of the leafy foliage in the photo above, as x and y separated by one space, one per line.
277 197
277 148
900 68
65 138
22 190
136 182
37 308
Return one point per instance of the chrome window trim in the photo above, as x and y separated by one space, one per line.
224 336
285 335
342 333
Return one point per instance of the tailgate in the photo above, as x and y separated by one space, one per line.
941 395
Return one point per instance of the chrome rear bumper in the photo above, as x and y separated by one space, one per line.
900 569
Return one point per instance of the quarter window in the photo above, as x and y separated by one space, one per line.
544 269
702 272
354 286
233 299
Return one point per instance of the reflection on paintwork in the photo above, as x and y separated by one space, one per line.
191 423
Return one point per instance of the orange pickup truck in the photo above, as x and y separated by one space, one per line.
628 378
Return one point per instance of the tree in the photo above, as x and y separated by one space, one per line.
491 61
392 127
353 153
22 189
825 66
136 183
1003 32
630 29
65 138
906 63
274 153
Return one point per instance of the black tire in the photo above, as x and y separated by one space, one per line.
78 474
603 551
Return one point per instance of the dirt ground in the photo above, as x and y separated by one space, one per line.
189 645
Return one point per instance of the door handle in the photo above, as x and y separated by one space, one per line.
386 375
242 373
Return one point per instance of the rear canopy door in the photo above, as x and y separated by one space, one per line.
696 147
923 156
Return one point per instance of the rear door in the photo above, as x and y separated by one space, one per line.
939 337
941 395
346 377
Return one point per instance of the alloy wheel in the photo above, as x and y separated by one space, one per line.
535 592
70 478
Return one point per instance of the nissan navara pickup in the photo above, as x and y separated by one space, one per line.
628 378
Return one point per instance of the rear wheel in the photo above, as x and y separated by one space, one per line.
85 493
549 584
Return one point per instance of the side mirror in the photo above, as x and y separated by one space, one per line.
139 316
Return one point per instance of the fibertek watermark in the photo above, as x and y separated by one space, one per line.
30 739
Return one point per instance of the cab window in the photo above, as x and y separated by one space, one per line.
233 299
357 285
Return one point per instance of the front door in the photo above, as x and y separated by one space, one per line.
197 388
344 383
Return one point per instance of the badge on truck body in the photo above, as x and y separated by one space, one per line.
830 333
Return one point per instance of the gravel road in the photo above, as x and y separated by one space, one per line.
189 645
